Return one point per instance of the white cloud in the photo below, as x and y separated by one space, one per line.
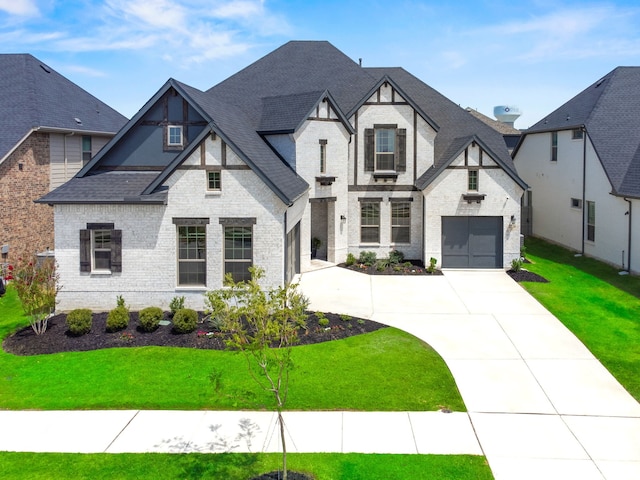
26 8
239 9
82 70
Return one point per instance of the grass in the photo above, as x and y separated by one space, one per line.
366 372
241 466
599 306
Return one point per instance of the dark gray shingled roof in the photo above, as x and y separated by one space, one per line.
34 95
277 92
610 112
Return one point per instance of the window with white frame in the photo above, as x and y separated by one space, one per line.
400 222
238 252
100 249
214 180
591 221
370 222
192 255
323 156
385 148
472 180
174 136
554 146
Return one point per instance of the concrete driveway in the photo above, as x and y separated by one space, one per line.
541 405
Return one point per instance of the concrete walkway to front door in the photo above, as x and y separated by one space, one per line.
541 405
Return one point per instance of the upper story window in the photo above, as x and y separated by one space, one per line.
472 181
174 136
385 149
323 156
86 149
576 133
554 146
214 180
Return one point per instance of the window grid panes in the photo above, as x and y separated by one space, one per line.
238 252
370 222
554 146
401 222
101 249
175 135
192 253
213 180
323 158
385 144
86 149
591 221
473 180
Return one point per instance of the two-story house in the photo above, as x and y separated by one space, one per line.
303 144
582 163
50 129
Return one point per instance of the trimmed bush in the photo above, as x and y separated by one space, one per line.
118 319
368 258
176 304
351 259
396 257
79 321
149 318
185 320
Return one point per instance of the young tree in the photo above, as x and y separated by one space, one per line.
37 286
263 326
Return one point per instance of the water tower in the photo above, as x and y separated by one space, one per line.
507 114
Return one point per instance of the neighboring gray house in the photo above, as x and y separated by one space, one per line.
50 128
302 144
582 163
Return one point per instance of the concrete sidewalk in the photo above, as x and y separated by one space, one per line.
540 406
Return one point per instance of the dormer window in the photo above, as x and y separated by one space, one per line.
174 135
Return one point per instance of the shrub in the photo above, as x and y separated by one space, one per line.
516 264
177 303
79 321
396 257
323 321
523 252
368 258
432 265
149 318
382 264
118 319
351 259
185 320
120 301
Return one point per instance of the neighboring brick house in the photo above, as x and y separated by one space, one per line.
302 144
582 162
49 126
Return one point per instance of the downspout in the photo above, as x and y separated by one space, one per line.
630 213
584 186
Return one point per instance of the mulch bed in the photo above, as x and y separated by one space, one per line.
58 339
526 276
278 476
409 267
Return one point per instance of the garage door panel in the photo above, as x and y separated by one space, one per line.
472 242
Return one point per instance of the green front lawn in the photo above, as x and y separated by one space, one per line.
599 306
365 372
241 466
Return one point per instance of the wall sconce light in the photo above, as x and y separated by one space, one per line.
513 219
343 218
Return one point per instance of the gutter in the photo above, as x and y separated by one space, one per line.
630 213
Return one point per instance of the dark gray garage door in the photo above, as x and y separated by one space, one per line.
472 242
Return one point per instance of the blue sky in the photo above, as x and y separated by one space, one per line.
532 54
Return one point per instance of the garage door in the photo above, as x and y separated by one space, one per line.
472 242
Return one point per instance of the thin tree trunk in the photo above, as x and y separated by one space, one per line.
284 445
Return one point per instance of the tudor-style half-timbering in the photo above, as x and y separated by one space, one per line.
285 163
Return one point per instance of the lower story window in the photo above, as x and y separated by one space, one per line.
400 222
192 255
238 252
100 249
101 245
370 222
591 221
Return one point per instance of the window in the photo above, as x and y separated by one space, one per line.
576 134
214 180
192 255
554 146
385 149
100 248
238 252
323 156
591 221
576 203
86 149
101 243
370 222
400 222
472 183
174 135
385 146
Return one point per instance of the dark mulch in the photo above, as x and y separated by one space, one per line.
278 476
526 276
58 339
409 267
